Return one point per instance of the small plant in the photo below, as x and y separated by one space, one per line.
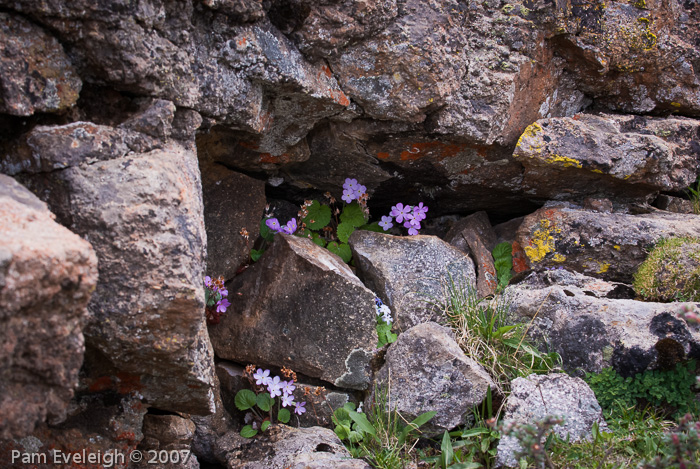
261 400
503 261
680 448
694 195
671 271
381 436
215 294
384 323
664 390
534 439
407 215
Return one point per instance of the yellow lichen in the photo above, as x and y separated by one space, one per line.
675 104
602 267
541 244
617 246
597 171
531 132
564 160
558 258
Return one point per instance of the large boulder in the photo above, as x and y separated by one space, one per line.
47 275
36 75
606 245
592 326
426 370
300 306
606 155
411 274
539 396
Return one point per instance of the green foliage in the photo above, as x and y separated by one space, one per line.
672 389
503 261
384 333
694 195
380 436
342 250
245 399
353 215
680 448
535 439
671 271
335 240
283 415
318 216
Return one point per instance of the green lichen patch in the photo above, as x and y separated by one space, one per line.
671 272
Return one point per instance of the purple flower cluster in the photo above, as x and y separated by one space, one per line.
216 293
275 226
409 216
352 190
276 387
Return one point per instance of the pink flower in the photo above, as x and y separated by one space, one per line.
299 408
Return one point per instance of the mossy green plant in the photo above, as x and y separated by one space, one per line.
671 271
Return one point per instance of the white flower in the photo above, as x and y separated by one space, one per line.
385 313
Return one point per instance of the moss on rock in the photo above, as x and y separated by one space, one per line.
671 272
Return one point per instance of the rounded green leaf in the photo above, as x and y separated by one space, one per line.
353 215
318 217
264 425
255 254
342 250
372 227
504 249
343 431
245 399
344 231
283 415
263 401
248 432
317 239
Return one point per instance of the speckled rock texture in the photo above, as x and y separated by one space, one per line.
425 370
410 273
594 324
538 396
605 245
302 307
602 155
47 275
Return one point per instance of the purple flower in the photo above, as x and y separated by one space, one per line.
412 223
287 387
360 190
222 305
412 231
273 387
262 377
273 224
224 292
207 281
419 211
386 222
399 211
350 184
348 196
290 227
300 408
287 400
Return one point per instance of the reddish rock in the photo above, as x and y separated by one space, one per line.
47 275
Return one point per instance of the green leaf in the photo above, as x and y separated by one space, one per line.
344 231
283 415
504 249
245 399
264 425
317 239
265 232
503 265
255 254
415 424
318 217
362 423
353 215
343 431
342 250
372 227
248 432
355 437
349 406
263 400
447 455
466 465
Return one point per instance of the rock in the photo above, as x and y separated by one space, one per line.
232 202
143 214
473 234
314 317
598 205
605 245
425 370
581 318
674 204
240 10
607 155
47 275
47 148
410 274
539 396
167 440
154 118
282 447
671 272
36 74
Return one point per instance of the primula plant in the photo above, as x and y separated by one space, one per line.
261 400
215 294
384 323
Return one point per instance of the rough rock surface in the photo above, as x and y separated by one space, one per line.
582 319
474 234
36 75
300 306
426 370
538 396
47 275
171 433
602 155
606 245
410 273
143 215
673 204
